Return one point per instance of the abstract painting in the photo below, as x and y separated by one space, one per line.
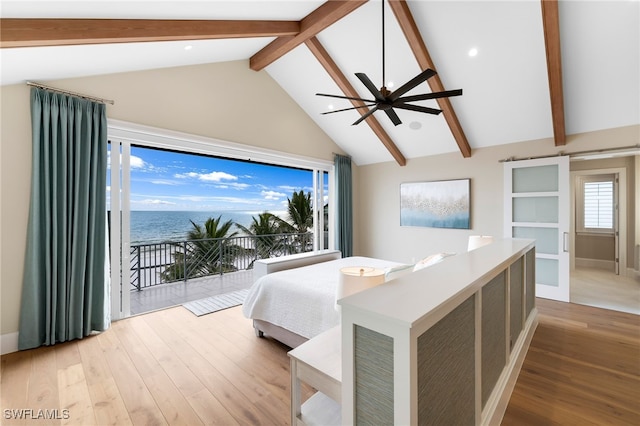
440 204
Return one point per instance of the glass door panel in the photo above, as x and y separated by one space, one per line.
535 209
535 179
547 272
546 238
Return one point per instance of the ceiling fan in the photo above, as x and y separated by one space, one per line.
386 100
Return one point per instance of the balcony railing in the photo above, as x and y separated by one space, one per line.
160 263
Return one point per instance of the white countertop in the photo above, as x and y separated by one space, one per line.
410 298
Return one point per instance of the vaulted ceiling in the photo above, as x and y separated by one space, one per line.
542 69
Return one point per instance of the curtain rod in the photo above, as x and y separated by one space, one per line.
67 92
572 154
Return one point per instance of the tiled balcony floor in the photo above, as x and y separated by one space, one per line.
168 295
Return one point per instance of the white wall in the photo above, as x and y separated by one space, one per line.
379 233
227 101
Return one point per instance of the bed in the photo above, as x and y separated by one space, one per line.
294 305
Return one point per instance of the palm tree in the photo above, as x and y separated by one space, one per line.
209 251
267 228
300 211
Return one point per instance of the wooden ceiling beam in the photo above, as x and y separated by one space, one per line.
551 25
412 34
57 32
324 16
341 80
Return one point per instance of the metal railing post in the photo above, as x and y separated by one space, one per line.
220 255
184 260
138 269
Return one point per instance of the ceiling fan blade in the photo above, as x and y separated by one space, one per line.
426 96
346 109
393 116
423 76
344 97
364 116
418 108
369 85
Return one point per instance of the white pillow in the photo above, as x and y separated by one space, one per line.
431 260
394 272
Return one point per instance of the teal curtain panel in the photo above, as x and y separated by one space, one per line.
344 205
64 288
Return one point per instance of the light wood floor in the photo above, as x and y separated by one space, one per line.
170 367
604 289
582 368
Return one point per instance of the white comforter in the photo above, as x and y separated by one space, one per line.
302 300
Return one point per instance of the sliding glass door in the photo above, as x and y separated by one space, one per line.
192 179
536 205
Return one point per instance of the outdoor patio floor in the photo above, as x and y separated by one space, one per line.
168 295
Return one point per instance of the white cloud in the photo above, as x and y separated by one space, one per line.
217 177
155 202
134 161
186 175
164 182
207 177
272 195
236 185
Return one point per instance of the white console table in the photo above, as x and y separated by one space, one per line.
318 363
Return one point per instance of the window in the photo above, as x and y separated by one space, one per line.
595 204
598 205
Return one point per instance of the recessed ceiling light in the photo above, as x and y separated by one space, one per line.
390 84
188 47
330 107
415 125
473 52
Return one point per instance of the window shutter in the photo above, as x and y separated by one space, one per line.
598 205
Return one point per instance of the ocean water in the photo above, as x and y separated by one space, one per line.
158 226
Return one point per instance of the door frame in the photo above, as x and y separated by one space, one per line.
120 259
621 173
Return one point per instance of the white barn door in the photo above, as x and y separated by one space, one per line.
536 205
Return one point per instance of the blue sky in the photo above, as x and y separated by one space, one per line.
162 180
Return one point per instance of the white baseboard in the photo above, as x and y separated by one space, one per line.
608 266
595 263
8 343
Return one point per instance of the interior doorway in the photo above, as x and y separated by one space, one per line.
599 252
